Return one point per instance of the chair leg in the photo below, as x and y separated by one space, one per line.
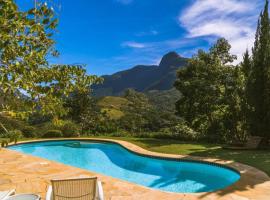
100 195
49 193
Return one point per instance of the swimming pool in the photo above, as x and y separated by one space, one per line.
114 160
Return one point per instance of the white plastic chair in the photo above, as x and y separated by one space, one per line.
5 194
75 189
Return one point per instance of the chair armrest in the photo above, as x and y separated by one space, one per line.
8 194
49 193
99 192
12 192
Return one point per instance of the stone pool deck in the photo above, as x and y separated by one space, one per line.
29 174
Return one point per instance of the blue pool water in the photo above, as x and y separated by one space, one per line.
114 160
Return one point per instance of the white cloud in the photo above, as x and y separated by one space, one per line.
135 45
151 52
166 45
125 2
233 19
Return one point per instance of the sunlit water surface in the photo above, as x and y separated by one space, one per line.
114 160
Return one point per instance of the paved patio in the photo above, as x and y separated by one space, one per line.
29 174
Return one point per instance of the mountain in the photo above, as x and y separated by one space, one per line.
143 78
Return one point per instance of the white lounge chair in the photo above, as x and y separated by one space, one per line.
75 189
5 194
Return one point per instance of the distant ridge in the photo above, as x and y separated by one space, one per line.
143 78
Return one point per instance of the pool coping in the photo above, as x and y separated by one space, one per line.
246 172
191 159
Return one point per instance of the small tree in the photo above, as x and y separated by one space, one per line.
136 111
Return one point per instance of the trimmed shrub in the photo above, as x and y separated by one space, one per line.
53 134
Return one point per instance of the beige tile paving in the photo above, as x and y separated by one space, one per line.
29 174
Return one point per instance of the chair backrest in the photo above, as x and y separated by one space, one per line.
74 189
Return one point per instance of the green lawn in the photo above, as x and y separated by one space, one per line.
257 158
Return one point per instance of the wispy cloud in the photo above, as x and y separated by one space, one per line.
151 52
233 19
125 2
135 45
203 21
166 45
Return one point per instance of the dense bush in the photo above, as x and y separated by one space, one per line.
182 131
14 135
70 129
29 132
120 133
11 123
4 143
106 126
98 123
44 127
163 134
53 134
38 118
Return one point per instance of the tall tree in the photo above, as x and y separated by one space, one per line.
26 43
203 87
212 95
258 88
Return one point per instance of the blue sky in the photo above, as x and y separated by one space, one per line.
113 35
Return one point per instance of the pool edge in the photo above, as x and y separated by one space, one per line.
249 173
147 153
